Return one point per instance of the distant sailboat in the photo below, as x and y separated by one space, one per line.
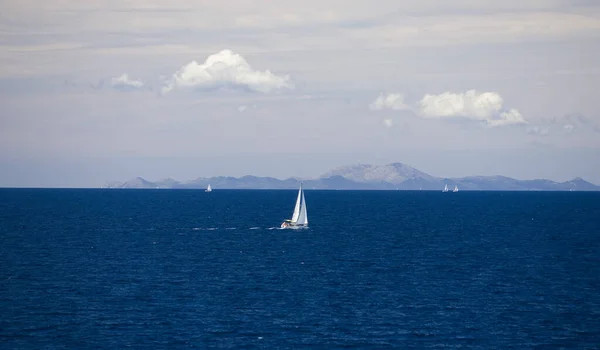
208 189
455 188
445 189
300 217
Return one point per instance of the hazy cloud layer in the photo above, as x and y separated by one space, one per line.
55 28
564 125
528 60
226 69
538 130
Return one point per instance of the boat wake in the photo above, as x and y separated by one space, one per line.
253 228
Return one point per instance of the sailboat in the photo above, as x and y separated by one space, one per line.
445 189
455 188
300 217
208 189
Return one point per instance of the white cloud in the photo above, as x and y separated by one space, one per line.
388 123
485 107
390 101
472 104
226 69
242 108
509 117
124 82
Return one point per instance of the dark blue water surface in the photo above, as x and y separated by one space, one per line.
376 269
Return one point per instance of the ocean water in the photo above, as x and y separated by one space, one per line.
119 269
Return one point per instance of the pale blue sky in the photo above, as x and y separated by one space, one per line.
108 90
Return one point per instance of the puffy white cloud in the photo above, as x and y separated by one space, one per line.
226 69
485 107
388 122
390 101
447 104
123 82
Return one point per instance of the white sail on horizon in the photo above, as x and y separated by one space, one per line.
300 216
296 214
303 215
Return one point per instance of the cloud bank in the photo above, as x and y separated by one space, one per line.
123 82
229 70
485 107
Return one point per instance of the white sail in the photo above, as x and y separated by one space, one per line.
208 189
445 188
296 214
455 188
303 215
300 217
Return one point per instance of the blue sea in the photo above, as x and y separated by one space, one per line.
156 269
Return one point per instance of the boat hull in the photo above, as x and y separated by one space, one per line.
287 225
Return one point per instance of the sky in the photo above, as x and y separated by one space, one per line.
96 91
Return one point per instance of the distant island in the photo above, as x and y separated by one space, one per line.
394 176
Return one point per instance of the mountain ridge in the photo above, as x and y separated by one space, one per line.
392 176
